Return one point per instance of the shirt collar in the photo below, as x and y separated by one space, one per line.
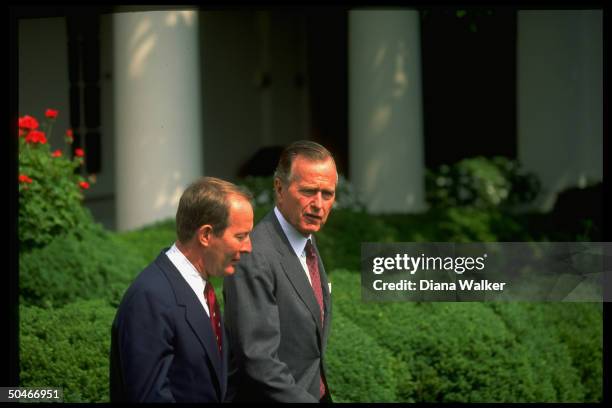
297 240
184 266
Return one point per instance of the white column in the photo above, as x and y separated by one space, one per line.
385 110
158 133
560 98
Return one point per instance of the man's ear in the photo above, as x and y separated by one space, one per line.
205 233
278 187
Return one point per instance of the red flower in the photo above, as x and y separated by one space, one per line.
57 153
24 179
78 152
28 122
84 185
51 113
36 136
69 134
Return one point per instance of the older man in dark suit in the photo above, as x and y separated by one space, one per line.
168 342
278 306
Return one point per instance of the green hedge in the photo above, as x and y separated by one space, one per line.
150 240
67 347
580 327
465 352
358 368
340 240
71 268
569 331
461 352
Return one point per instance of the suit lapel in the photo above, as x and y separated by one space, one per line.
293 268
194 314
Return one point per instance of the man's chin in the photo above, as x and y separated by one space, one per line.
310 229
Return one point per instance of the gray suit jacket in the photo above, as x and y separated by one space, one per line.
273 322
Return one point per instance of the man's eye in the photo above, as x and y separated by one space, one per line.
309 192
328 195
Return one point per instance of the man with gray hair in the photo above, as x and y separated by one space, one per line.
277 305
168 342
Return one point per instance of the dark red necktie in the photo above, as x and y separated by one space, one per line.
315 278
215 313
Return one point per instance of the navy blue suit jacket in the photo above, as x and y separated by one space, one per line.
162 344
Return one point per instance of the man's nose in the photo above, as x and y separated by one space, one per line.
247 246
317 202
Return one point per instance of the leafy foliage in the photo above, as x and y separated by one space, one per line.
94 265
359 369
482 183
574 331
67 347
468 352
150 240
400 352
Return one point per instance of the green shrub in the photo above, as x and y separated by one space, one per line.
339 241
67 347
262 189
457 224
71 268
472 225
580 328
462 352
150 240
550 358
481 182
359 370
574 328
50 197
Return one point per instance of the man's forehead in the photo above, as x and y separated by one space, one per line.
237 202
303 166
305 160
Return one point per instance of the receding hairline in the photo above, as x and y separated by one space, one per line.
233 198
298 156
207 201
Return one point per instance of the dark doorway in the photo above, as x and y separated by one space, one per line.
469 83
327 56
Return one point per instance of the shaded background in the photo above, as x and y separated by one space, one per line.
428 86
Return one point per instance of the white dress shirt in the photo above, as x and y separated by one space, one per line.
297 240
189 273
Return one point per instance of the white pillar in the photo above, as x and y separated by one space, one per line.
560 98
385 110
157 113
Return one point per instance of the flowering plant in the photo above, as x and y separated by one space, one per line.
50 185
